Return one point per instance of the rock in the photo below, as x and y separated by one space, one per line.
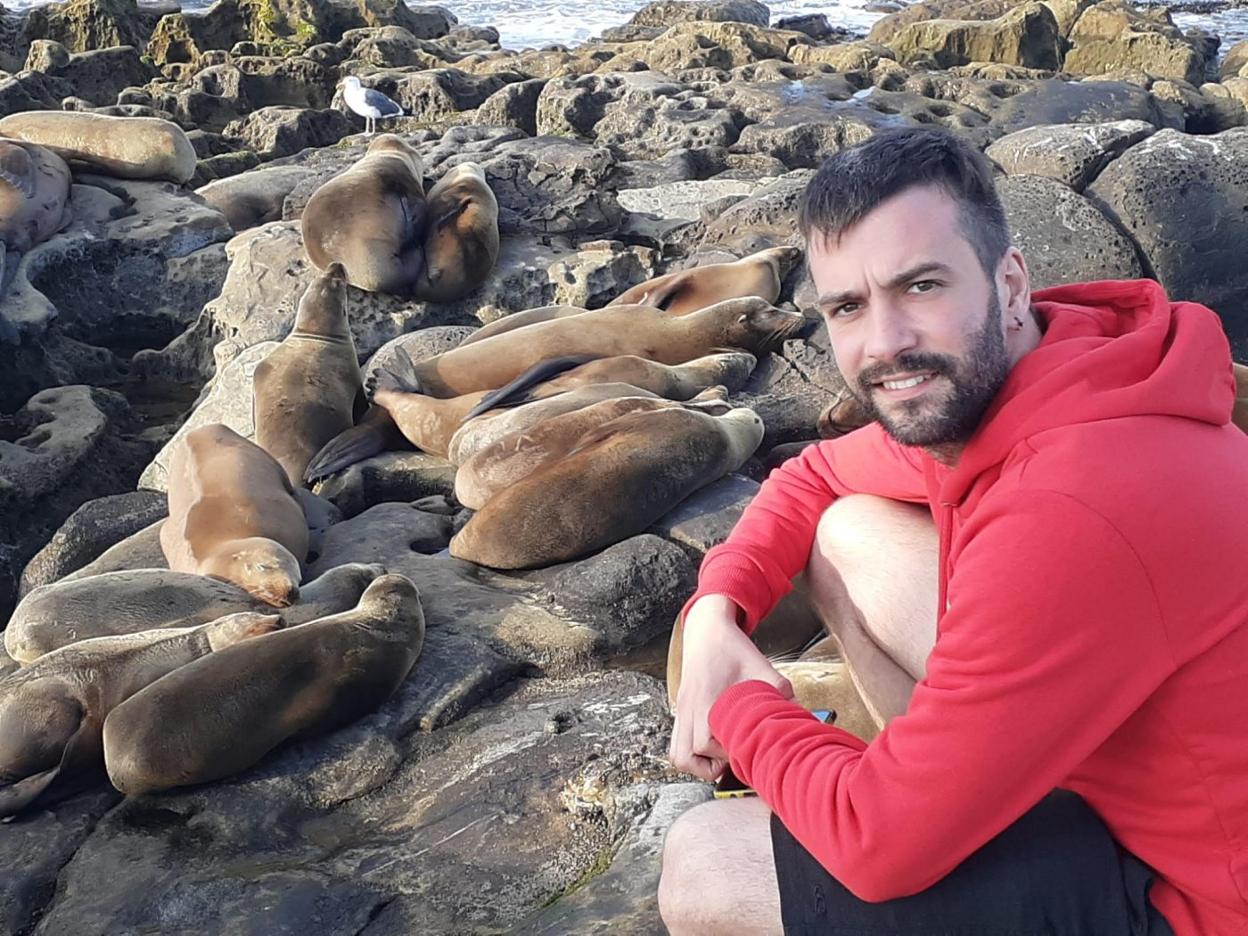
843 56
84 25
1234 61
419 346
391 476
670 12
624 898
141 550
98 75
31 91
815 25
513 105
766 218
1111 35
437 93
1063 236
1027 35
389 47
1077 102
629 593
683 200
379 534
280 131
725 45
1073 154
705 518
1185 202
290 81
72 444
90 530
631 33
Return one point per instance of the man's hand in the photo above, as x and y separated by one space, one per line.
715 654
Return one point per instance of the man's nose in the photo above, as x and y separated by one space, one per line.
891 332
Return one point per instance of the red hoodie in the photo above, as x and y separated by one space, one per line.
1094 635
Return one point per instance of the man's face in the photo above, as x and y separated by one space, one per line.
914 323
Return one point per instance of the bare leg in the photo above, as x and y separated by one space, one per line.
873 581
718 872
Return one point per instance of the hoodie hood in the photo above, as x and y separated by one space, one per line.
1110 349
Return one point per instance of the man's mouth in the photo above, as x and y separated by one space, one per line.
904 383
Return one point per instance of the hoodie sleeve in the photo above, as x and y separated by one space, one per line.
771 542
1052 640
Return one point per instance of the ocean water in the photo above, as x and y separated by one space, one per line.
535 23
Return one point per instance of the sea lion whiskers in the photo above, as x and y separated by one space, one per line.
262 567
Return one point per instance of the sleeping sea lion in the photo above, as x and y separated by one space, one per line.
52 712
34 195
461 241
309 388
372 219
216 717
760 274
520 319
620 479
127 602
125 147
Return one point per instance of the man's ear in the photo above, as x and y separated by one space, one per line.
1013 279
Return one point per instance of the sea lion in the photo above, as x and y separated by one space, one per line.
1239 415
475 434
620 479
843 415
520 319
518 454
126 602
255 197
760 274
125 147
52 712
372 219
216 717
739 324
233 515
461 242
34 196
309 388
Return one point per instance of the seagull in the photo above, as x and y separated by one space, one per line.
368 103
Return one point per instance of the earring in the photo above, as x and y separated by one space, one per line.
1018 322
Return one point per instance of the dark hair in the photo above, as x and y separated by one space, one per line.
854 181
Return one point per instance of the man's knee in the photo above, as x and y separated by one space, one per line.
684 863
858 526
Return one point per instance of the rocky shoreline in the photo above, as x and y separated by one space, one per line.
517 782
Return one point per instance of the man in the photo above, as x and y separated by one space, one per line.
1076 617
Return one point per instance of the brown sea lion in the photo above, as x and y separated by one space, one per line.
461 241
520 319
234 516
1239 415
760 274
52 712
125 147
475 434
518 454
309 388
620 479
214 718
372 219
739 324
127 602
843 415
34 196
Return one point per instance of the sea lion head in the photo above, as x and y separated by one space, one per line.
782 259
323 306
262 567
841 416
391 144
392 597
235 628
744 429
754 324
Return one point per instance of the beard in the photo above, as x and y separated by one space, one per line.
942 416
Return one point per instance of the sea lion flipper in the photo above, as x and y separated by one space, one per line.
375 434
514 393
398 374
17 168
83 750
17 796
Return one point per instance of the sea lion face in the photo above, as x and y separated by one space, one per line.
757 325
261 567
783 259
322 308
235 628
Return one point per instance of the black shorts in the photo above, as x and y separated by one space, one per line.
1056 871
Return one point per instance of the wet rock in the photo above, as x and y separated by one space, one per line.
1184 199
1064 236
766 218
98 75
90 530
32 91
73 444
1077 102
1234 61
669 12
391 476
705 518
686 200
1073 154
83 25
513 105
1027 36
844 56
815 25
280 131
725 45
379 534
1112 35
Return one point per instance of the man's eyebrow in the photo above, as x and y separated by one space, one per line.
923 268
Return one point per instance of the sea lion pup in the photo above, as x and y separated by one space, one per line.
371 218
52 712
233 515
219 716
739 324
620 479
127 602
520 319
461 242
34 196
760 274
518 454
484 430
309 388
125 147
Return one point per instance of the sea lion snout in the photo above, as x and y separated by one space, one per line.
235 628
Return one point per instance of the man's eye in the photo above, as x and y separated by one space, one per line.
844 310
923 286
